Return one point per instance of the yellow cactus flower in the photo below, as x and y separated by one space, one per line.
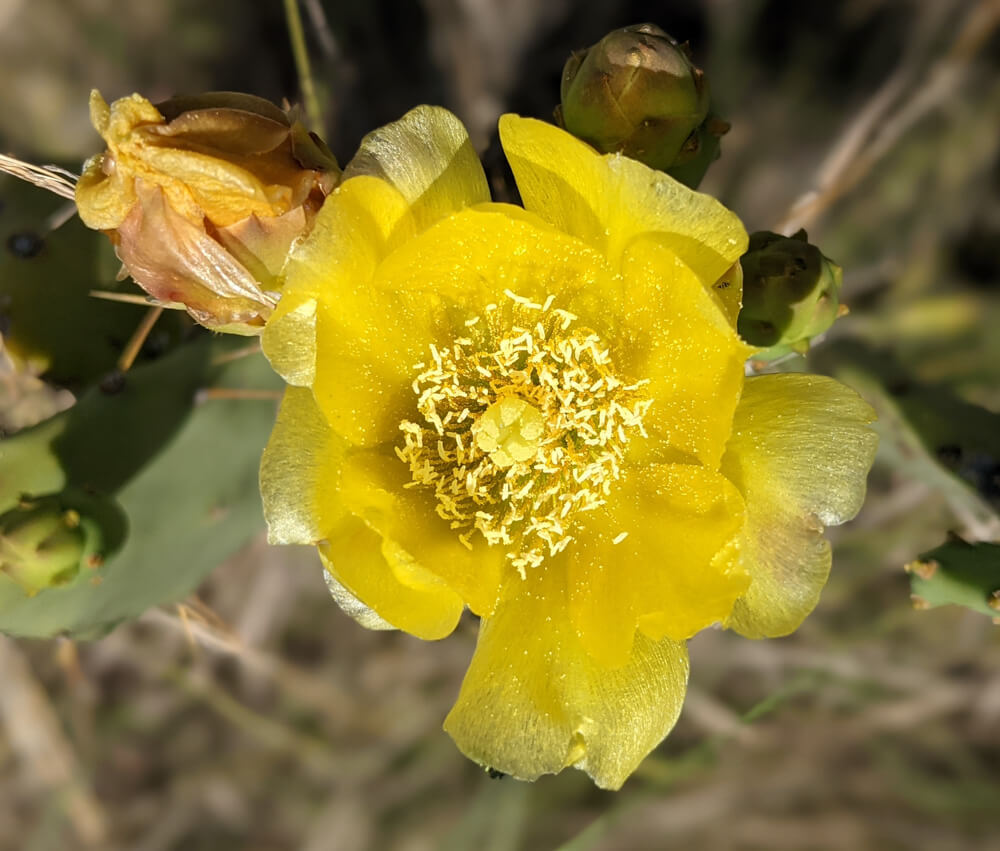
203 198
540 414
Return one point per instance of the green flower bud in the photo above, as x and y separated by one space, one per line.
635 92
40 546
49 541
791 293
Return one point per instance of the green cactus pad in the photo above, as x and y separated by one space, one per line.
184 472
958 574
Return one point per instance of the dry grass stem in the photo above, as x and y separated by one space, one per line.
51 178
876 129
38 740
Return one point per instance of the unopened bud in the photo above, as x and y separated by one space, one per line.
203 197
48 541
791 292
635 92
40 546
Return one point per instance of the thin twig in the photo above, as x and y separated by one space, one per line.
314 114
321 28
59 217
198 610
307 749
874 132
310 690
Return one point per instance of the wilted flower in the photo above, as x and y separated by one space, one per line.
540 414
203 198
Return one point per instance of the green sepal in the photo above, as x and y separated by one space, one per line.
699 152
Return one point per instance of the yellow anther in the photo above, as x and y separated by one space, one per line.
509 431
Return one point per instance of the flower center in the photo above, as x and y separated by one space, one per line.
509 431
523 425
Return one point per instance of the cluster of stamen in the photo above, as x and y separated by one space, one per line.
524 425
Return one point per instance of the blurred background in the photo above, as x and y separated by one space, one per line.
257 716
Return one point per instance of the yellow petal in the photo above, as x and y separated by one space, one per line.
354 341
470 260
196 183
102 201
428 157
416 539
453 273
115 123
728 292
399 591
300 472
321 332
655 555
202 185
100 113
289 339
353 607
304 493
609 200
534 702
800 451
677 337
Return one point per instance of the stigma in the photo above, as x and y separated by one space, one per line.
509 431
